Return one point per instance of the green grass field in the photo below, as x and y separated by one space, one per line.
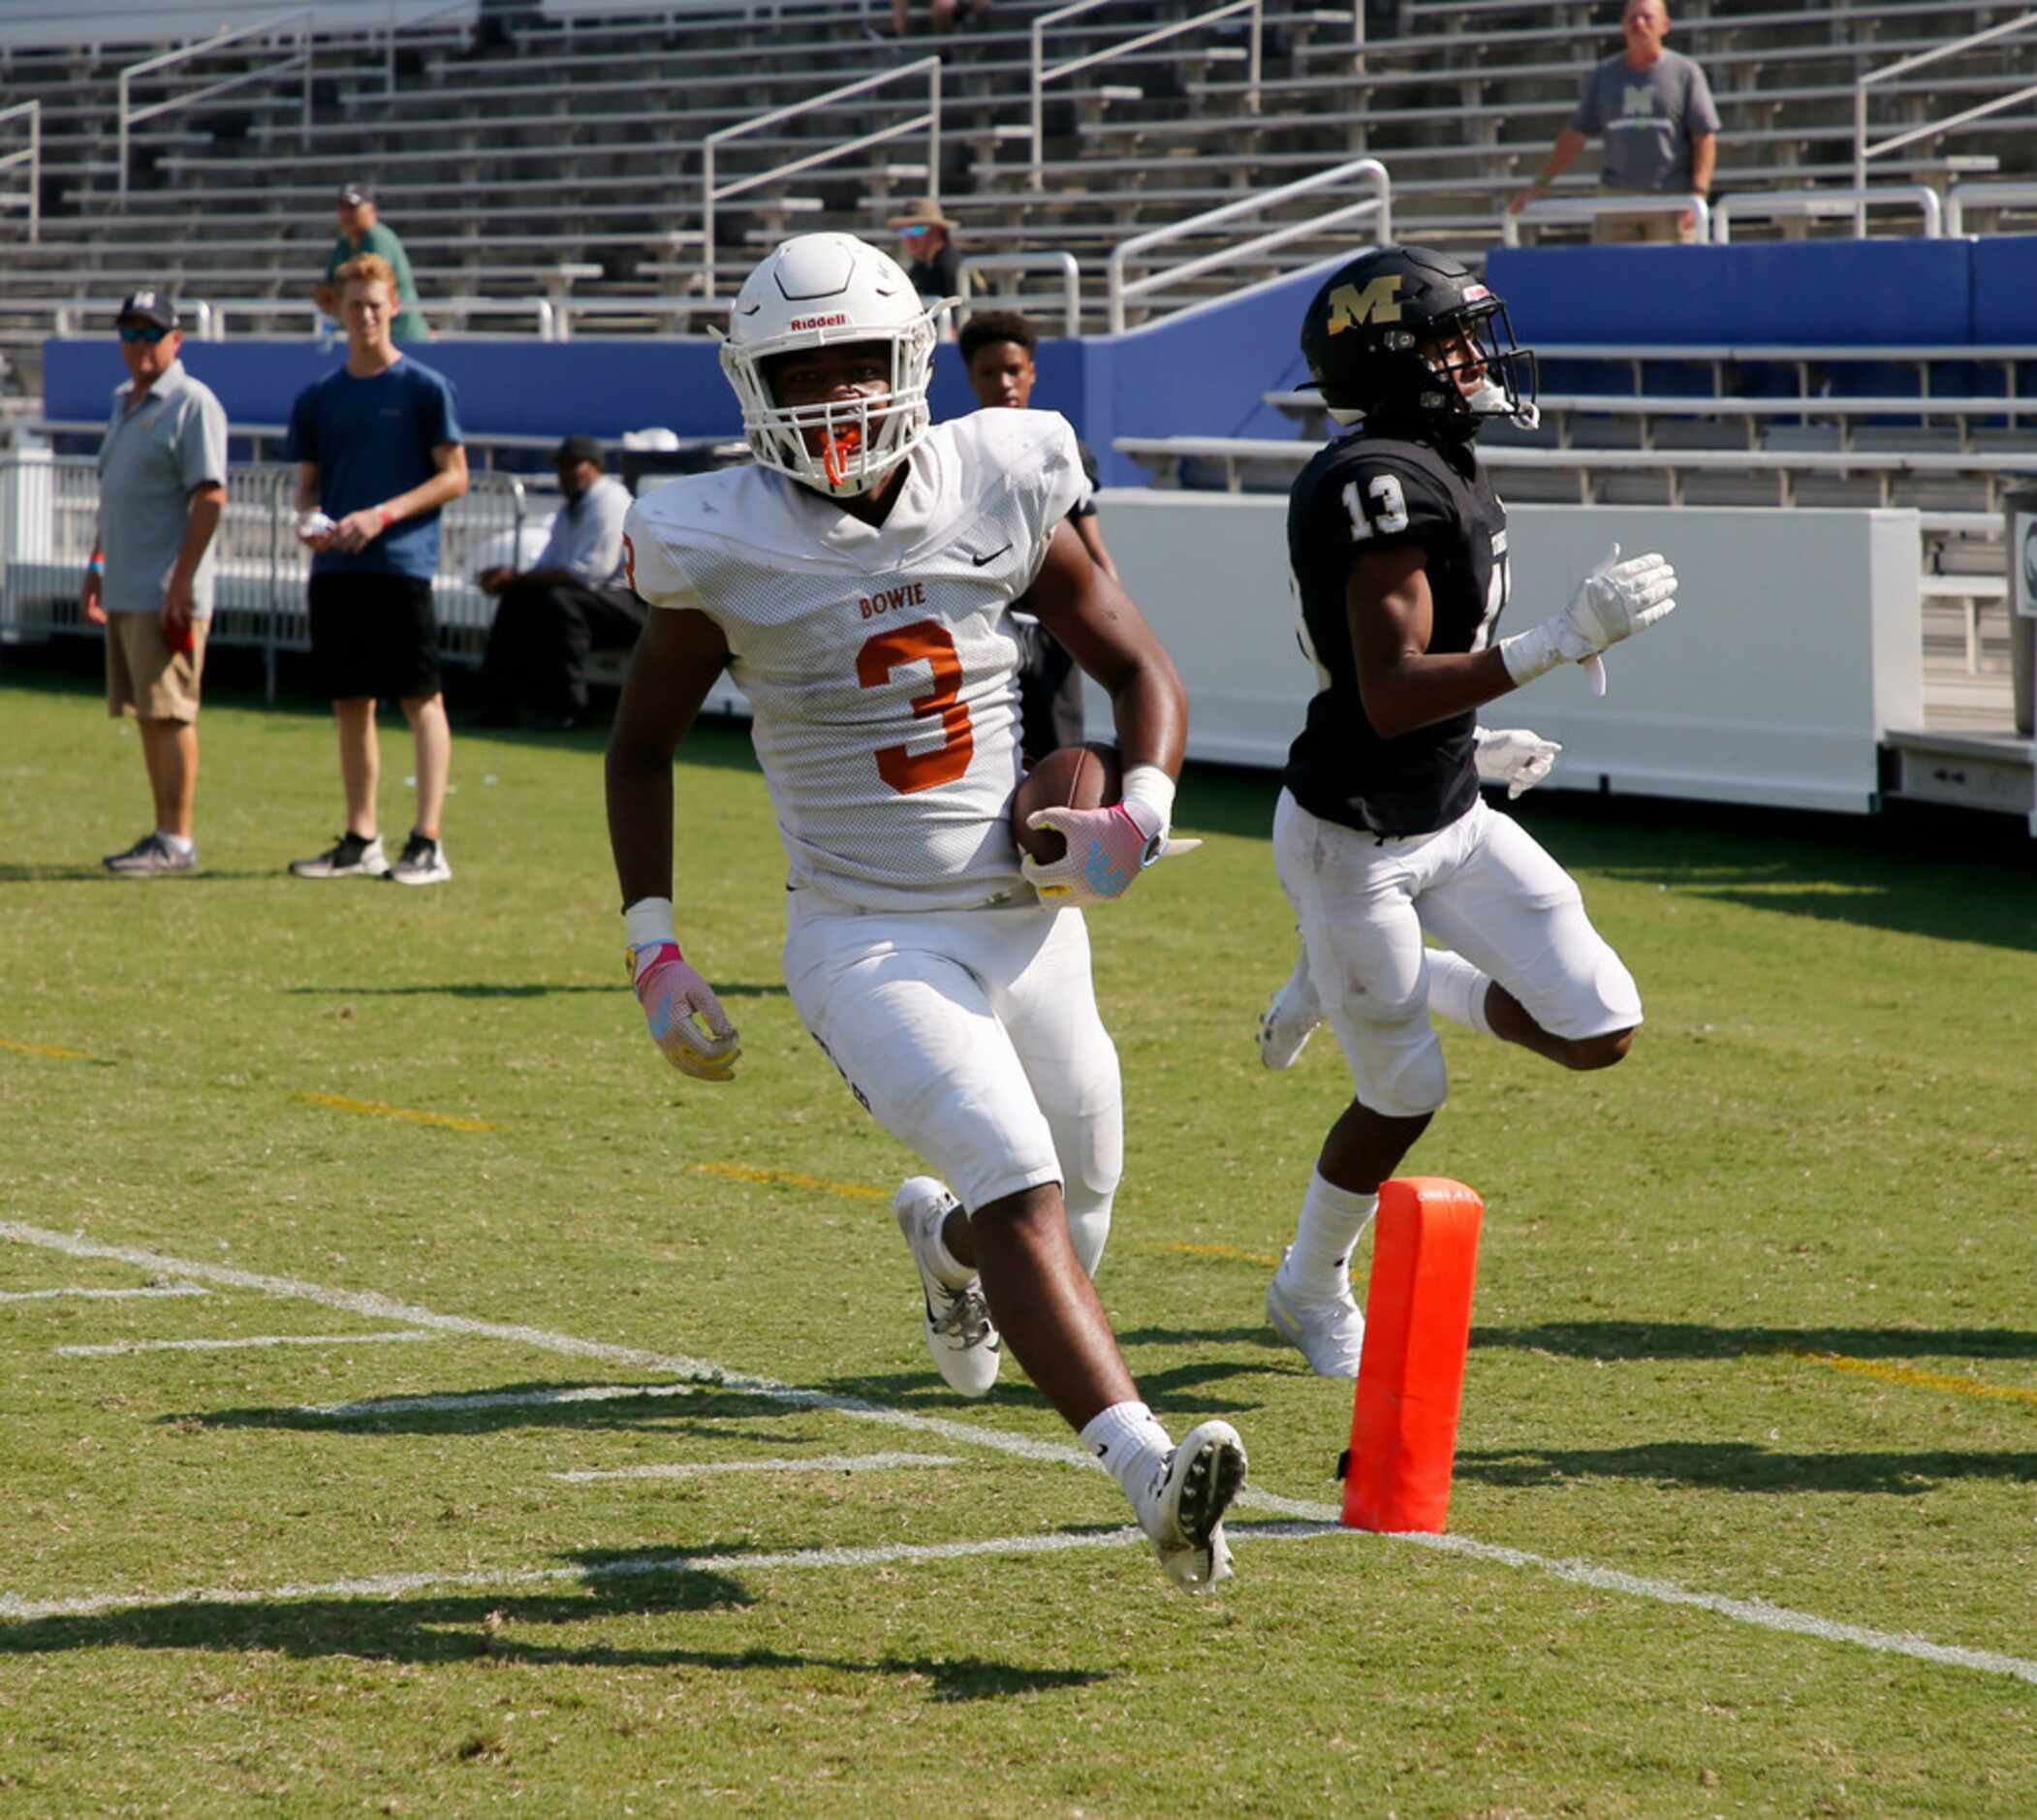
1746 1512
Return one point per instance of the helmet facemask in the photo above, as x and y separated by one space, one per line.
1508 388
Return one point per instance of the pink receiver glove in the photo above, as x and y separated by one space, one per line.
1107 850
676 1000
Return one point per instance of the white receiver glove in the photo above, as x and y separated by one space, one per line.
1613 602
1512 756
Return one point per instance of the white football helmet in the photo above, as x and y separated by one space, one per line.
817 290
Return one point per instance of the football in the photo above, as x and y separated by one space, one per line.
1083 776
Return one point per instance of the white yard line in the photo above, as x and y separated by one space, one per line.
112 1347
105 1295
819 1462
1314 1517
399 1585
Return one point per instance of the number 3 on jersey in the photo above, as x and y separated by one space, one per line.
924 641
1380 512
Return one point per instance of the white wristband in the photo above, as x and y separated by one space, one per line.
1529 654
648 920
1149 785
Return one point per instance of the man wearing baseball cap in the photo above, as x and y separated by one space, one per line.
362 230
161 487
574 598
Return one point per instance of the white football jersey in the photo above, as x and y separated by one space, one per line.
880 661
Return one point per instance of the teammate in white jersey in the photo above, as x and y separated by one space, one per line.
857 583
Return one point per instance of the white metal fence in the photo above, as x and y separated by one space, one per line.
50 515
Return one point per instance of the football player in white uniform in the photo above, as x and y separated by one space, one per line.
1399 548
858 582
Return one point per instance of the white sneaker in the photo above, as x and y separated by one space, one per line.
1184 1508
1331 1334
348 857
1290 1019
961 1335
422 862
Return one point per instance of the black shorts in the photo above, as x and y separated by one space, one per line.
374 636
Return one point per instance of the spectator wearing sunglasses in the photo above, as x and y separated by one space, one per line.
162 488
925 250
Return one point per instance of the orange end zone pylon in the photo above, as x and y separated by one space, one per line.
1411 1373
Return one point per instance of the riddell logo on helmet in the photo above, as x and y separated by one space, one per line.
820 322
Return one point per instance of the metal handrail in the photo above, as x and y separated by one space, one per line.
1063 262
1122 290
31 155
1041 75
206 316
1960 195
1862 151
130 116
1590 207
1832 202
929 122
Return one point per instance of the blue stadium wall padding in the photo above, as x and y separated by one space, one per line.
504 388
1836 293
2005 290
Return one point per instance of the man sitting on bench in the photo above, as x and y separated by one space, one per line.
576 599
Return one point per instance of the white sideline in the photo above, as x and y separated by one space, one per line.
104 1295
110 1348
1315 1518
820 1462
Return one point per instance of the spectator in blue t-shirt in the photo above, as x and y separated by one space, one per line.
378 451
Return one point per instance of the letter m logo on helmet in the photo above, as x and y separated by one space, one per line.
1377 303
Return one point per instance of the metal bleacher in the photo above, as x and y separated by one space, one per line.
554 150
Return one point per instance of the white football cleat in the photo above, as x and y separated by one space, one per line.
1290 1019
1182 1510
1330 1333
961 1335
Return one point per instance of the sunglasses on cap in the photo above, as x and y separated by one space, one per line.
915 232
150 333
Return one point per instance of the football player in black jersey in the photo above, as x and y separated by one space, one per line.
1400 551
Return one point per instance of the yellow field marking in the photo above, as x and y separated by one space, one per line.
451 1121
1919 1380
790 1179
44 1049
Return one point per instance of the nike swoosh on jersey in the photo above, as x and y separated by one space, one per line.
979 561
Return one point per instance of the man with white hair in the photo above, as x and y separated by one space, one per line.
1655 109
857 582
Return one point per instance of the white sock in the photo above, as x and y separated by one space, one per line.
1458 989
178 844
1128 1438
1333 1220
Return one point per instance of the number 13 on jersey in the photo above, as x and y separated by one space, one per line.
1381 510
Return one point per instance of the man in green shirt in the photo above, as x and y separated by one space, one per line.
361 232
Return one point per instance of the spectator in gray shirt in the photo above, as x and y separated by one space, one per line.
1654 109
161 487
576 597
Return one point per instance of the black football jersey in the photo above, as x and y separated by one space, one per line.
1366 493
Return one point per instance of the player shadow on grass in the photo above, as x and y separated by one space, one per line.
72 871
660 1408
443 1631
1697 1339
1741 1466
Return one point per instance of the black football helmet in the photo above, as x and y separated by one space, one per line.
1375 341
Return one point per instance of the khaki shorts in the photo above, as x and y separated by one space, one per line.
1652 229
144 676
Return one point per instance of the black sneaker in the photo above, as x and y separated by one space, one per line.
351 856
423 862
